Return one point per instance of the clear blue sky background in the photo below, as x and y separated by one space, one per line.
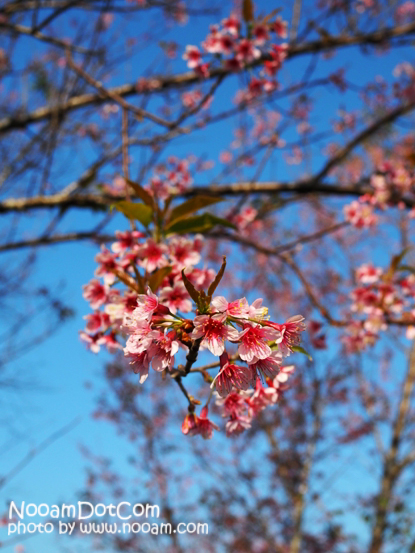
61 366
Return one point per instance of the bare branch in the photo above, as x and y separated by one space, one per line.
21 29
161 83
38 449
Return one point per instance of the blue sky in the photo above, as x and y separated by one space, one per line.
61 366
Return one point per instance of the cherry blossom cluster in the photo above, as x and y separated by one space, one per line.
393 180
152 327
390 184
172 177
132 250
380 297
156 333
240 407
246 221
360 214
236 51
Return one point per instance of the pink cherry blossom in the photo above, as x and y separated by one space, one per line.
234 404
125 240
214 331
238 308
253 342
237 425
261 34
107 264
360 215
368 274
96 293
176 298
185 252
91 341
147 304
280 27
163 350
256 311
200 278
261 398
231 376
268 367
205 426
224 44
152 255
193 56
193 425
141 338
246 51
189 425
290 331
140 364
231 25
97 321
283 375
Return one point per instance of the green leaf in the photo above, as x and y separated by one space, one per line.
300 349
190 206
218 278
141 193
138 212
157 278
199 223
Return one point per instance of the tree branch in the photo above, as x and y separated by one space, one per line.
161 83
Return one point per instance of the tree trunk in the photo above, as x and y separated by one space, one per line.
391 467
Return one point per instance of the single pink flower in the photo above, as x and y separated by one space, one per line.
147 304
283 375
237 425
256 311
107 264
231 25
238 308
235 403
141 339
96 293
193 425
162 351
290 331
368 274
140 364
253 342
246 52
126 240
176 298
214 331
193 56
185 252
261 34
97 321
152 255
189 425
261 398
231 376
268 367
91 341
280 27
205 426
